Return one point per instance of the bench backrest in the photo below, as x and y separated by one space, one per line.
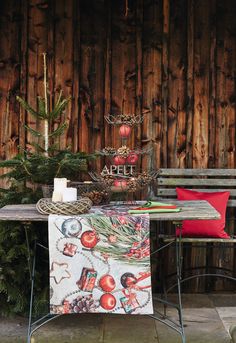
205 180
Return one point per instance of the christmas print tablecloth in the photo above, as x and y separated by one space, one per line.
100 263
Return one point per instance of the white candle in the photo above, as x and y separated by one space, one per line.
56 196
69 194
60 184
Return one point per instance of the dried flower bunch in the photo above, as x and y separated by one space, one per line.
128 119
123 151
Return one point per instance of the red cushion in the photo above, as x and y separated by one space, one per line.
205 228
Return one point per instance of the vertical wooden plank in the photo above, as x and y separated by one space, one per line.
23 73
225 116
93 40
97 77
201 109
190 88
10 78
165 76
152 77
201 85
64 62
177 85
212 87
37 44
51 53
139 64
85 93
76 83
123 63
107 139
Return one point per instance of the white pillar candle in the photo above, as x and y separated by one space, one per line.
60 184
56 196
69 194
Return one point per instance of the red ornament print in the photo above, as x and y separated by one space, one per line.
120 183
107 283
125 131
132 159
89 239
119 160
108 301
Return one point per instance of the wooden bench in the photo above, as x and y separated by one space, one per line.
205 180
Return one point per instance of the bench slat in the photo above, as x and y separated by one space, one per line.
230 203
195 182
196 172
172 191
200 240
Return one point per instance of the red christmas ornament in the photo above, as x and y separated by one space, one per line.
119 160
138 227
107 283
112 239
132 159
120 183
89 239
108 301
122 220
125 131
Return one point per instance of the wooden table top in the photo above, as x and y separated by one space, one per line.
189 210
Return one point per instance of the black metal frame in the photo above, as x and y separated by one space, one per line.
161 317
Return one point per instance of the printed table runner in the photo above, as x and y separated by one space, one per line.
100 263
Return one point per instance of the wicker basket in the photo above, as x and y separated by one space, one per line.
98 192
46 206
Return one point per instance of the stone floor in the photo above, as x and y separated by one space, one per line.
207 319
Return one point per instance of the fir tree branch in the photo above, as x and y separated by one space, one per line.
32 131
59 130
41 104
28 108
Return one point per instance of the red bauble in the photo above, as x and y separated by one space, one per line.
89 239
125 131
108 301
107 283
119 160
120 183
132 159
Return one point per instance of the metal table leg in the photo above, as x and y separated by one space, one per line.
162 317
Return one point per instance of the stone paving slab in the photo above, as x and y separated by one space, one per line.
129 329
204 324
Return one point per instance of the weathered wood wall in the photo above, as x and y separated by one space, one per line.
174 60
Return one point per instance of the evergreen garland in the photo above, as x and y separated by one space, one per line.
29 168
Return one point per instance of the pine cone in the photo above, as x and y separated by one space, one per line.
123 151
84 304
132 185
127 119
109 150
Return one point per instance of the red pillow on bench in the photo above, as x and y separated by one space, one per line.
205 228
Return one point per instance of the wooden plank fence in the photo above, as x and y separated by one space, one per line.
173 60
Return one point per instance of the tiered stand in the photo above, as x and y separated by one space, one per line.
121 173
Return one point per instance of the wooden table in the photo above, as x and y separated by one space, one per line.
189 210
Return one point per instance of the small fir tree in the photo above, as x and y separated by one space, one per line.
39 166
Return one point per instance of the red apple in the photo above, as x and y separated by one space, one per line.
107 283
108 301
132 159
120 183
119 160
125 131
89 239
